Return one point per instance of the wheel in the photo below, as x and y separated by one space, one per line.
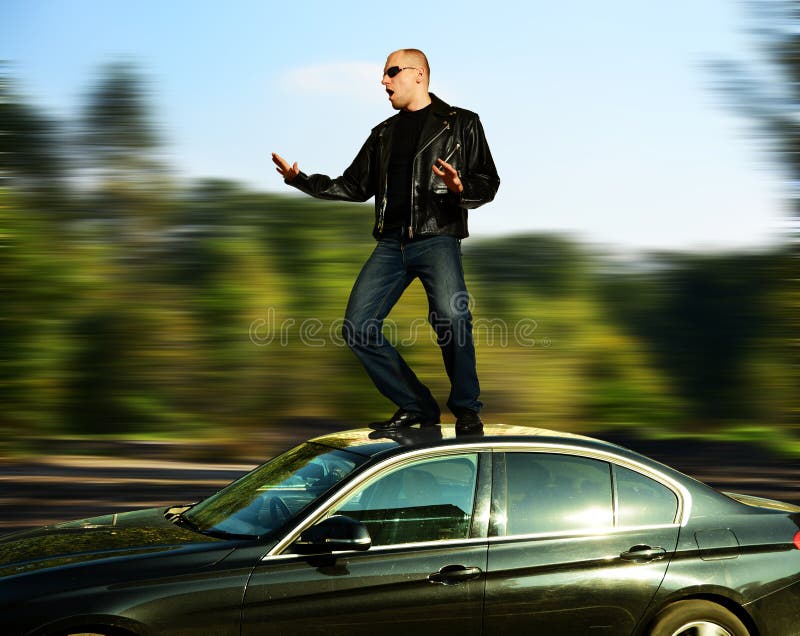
697 618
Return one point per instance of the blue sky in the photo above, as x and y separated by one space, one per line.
602 116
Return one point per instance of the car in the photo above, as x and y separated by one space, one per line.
422 531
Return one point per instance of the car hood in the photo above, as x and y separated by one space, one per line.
127 534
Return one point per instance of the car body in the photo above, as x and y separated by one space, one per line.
422 531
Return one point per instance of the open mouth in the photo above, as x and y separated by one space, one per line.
390 92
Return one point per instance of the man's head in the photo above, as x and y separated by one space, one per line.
405 77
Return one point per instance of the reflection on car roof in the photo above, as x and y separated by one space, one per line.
365 441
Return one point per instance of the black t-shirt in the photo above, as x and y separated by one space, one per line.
405 139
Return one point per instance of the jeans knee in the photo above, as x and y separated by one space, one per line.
450 320
360 334
452 328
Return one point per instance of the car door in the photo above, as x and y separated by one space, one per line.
579 545
424 573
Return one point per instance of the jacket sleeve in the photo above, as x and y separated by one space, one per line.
355 184
479 175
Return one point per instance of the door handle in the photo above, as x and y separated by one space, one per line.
454 574
643 554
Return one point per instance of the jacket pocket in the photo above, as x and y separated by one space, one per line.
452 156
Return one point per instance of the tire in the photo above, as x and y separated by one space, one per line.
697 618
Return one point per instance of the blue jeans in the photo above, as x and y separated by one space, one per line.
393 265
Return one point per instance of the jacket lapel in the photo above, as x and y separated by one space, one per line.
385 144
437 118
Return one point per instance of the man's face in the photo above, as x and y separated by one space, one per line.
403 87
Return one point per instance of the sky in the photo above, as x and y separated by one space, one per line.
604 118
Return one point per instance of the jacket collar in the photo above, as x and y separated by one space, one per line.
440 114
440 109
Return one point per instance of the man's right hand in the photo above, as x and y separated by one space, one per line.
286 171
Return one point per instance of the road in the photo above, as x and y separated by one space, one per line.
61 488
56 488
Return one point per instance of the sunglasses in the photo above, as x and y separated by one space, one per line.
394 70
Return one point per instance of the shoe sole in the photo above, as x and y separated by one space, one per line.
394 427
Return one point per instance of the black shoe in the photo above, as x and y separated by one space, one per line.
408 436
468 422
403 418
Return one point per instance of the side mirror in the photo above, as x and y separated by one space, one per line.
334 533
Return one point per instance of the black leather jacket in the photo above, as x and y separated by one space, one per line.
449 133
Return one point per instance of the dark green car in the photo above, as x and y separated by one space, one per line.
422 532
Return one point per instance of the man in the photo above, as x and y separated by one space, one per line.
425 166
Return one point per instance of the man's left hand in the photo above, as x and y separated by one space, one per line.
449 175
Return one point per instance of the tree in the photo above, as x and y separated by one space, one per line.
769 94
29 157
768 91
119 144
118 131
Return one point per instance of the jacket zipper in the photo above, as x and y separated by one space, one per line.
454 151
413 180
382 213
382 208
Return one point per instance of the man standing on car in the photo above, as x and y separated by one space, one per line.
425 166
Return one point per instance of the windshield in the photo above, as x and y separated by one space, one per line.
266 498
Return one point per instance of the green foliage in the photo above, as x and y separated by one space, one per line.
118 129
706 319
769 95
231 318
31 149
152 308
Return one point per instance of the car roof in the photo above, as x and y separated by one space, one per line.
377 445
367 442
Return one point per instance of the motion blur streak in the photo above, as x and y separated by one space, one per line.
128 299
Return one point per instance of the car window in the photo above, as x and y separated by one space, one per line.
557 493
428 500
269 496
642 501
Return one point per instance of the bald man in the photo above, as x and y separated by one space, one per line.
426 166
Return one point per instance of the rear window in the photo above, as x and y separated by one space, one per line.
642 501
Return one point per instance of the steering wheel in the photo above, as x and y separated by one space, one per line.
278 508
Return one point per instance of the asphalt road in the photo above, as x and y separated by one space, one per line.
62 488
53 488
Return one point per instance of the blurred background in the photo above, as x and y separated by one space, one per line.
163 295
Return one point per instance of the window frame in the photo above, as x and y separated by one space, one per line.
615 487
491 456
480 511
502 475
418 463
498 520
